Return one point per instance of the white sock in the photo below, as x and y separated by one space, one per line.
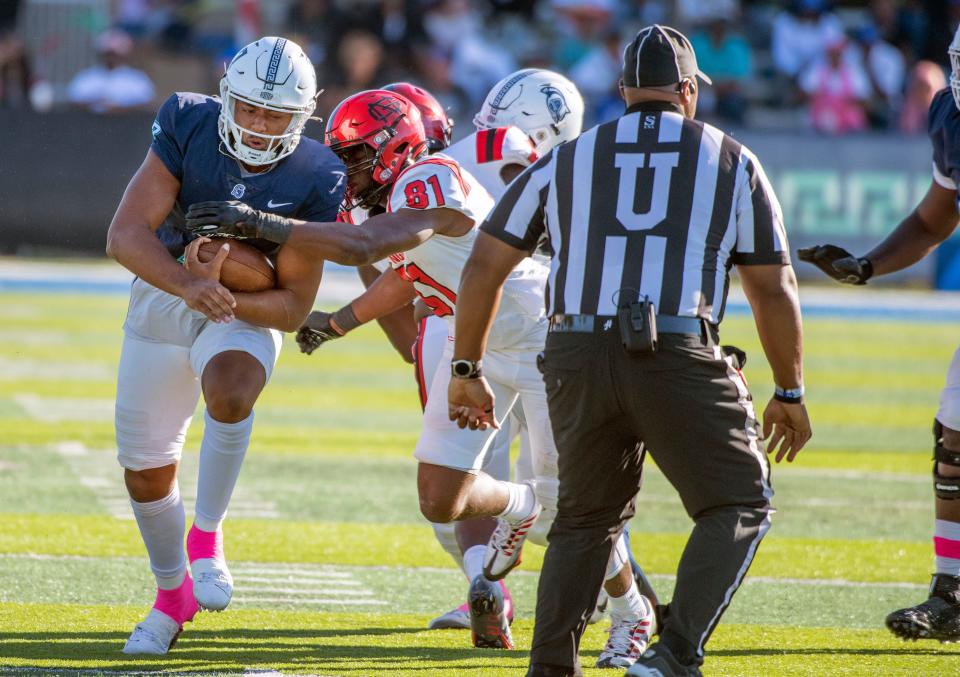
162 524
619 558
473 561
631 606
946 545
447 538
520 502
221 455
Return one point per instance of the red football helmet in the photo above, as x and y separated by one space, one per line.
388 126
436 123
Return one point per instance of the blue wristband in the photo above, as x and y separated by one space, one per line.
789 395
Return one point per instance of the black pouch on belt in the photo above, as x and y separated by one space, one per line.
638 326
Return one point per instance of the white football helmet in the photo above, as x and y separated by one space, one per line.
954 52
275 74
544 104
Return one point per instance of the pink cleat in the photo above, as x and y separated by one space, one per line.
213 584
158 632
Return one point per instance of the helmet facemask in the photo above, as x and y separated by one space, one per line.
278 147
370 164
274 74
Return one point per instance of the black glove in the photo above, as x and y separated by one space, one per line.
316 331
235 219
838 263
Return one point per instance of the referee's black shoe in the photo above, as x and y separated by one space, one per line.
659 661
937 618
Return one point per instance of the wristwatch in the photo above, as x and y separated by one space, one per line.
465 369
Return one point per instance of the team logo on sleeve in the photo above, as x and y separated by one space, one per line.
155 129
556 102
238 191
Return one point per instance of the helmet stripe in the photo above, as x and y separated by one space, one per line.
274 65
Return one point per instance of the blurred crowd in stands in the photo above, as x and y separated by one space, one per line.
834 67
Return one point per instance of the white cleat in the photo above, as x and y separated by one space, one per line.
506 544
628 639
212 583
155 635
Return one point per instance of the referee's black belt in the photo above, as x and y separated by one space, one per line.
666 324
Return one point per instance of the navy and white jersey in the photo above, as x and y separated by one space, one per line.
944 130
308 184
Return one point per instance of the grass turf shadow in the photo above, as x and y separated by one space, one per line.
232 651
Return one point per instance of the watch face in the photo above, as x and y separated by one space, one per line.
462 368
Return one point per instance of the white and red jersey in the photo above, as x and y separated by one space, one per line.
485 152
434 267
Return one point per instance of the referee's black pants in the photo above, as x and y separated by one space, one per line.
691 409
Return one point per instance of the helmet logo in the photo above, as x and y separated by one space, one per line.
266 95
385 109
556 102
238 191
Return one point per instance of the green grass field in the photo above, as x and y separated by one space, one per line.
336 572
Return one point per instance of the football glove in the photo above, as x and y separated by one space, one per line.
235 219
838 263
316 331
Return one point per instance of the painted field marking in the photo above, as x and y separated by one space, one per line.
302 600
100 472
56 409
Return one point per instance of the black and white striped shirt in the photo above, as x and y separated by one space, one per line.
652 202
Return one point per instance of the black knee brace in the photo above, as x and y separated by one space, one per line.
947 488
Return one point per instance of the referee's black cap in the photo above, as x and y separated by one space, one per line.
659 56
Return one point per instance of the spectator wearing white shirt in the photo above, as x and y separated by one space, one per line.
801 35
111 85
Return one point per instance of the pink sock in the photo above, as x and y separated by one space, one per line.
507 599
179 603
204 544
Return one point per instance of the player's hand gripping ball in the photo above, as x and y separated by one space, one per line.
245 268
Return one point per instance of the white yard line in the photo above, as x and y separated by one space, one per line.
303 600
299 591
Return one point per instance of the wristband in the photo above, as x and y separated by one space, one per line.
344 320
789 395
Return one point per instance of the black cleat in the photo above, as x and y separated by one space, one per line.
937 618
659 661
488 618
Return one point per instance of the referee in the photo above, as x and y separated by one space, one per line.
644 217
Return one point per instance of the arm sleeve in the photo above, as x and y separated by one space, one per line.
761 236
509 145
165 142
430 184
519 217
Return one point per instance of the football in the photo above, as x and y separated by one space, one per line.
246 268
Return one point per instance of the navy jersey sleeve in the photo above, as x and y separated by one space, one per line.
329 187
944 130
164 133
178 119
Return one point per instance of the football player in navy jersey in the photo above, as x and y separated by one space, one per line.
185 333
929 224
